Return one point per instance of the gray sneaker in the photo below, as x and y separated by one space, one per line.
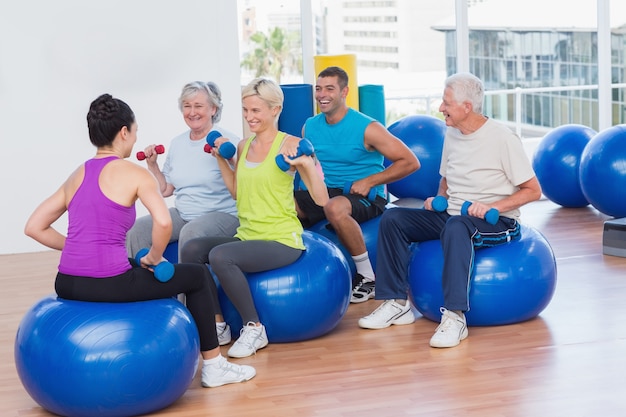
451 331
388 313
251 339
224 372
223 333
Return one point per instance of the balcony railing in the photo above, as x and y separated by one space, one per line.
530 112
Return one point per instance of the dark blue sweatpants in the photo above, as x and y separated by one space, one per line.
460 236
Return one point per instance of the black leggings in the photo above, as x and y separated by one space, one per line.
139 284
230 258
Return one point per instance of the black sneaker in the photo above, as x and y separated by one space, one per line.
362 289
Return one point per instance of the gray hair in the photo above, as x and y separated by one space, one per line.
467 87
210 89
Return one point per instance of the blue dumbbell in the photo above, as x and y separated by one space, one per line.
163 271
371 196
305 147
491 216
439 204
226 150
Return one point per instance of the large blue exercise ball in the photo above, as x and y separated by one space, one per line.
603 171
424 135
79 358
300 301
369 229
557 164
510 283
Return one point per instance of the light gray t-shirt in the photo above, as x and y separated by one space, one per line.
486 166
196 177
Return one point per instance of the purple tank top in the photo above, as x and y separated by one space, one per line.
96 237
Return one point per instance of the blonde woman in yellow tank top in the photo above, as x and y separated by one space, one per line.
270 233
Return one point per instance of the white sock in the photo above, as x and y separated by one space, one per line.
220 325
364 266
212 361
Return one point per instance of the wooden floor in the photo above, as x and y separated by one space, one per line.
570 361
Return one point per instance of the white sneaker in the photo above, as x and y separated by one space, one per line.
251 339
224 372
388 313
451 331
223 333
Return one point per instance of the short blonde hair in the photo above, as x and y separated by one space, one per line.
267 90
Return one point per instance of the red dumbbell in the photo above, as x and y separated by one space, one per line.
159 149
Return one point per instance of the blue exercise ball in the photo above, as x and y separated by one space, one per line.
557 164
370 236
510 283
171 252
300 301
79 358
424 135
603 171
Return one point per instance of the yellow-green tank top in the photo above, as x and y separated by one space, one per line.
265 200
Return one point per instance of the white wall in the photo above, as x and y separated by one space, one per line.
56 56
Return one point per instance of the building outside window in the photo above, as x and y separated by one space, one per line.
510 53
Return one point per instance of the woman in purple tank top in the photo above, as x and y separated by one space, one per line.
100 197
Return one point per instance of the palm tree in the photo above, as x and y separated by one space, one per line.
274 53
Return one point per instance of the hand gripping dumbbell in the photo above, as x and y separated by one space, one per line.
491 216
163 271
371 196
158 149
226 150
305 147
439 204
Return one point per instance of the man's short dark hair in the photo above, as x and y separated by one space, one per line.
342 76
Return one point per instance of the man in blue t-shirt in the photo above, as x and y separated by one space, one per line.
351 148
